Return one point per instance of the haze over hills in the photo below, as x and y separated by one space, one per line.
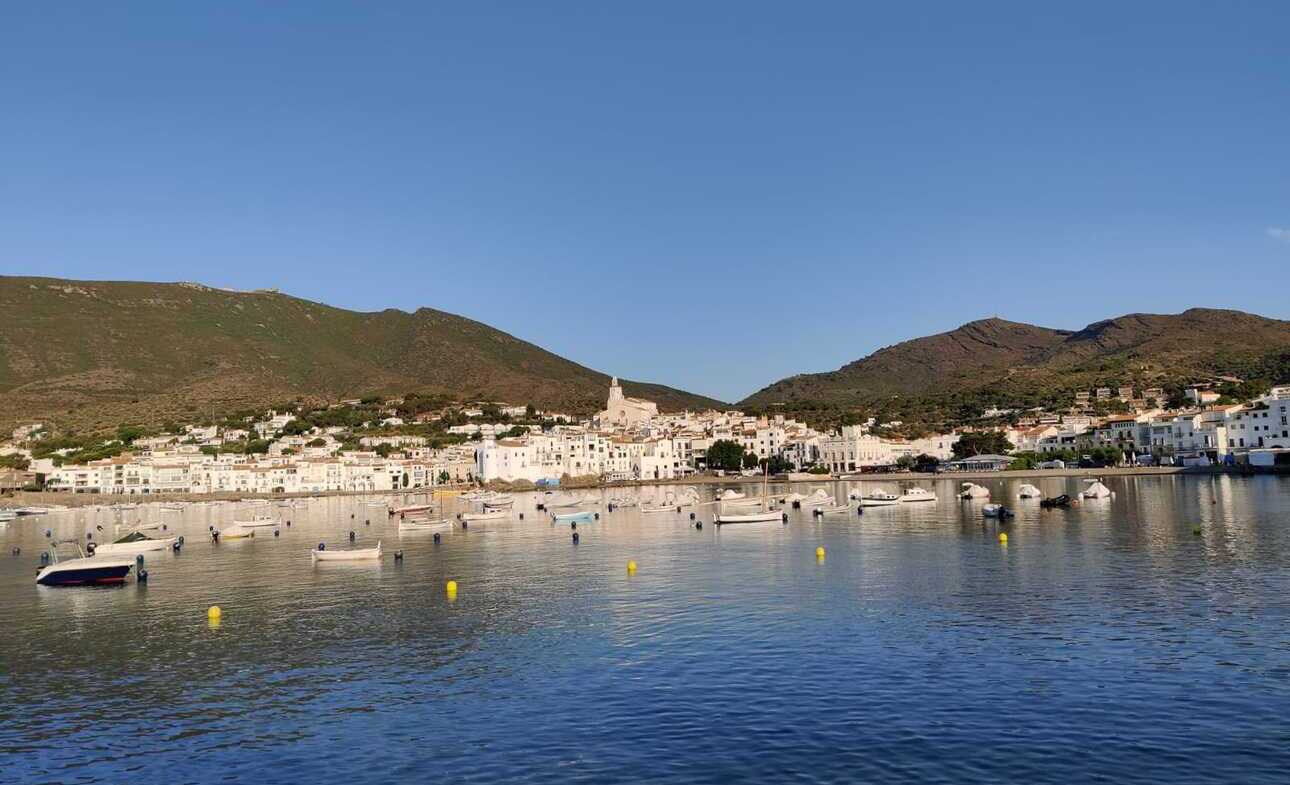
98 353
1009 362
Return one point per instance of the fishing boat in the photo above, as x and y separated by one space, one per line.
410 508
133 543
235 531
7 515
353 554
763 515
624 502
1096 490
657 510
916 494
839 510
973 491
564 503
257 522
423 524
26 511
82 570
879 498
499 503
584 516
486 515
172 508
1028 491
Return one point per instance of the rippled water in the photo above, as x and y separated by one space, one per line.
1103 642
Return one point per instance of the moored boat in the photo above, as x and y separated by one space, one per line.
82 570
486 515
1096 490
916 494
1028 491
973 491
353 554
133 543
879 498
584 516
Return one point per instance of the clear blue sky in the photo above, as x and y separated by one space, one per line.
709 195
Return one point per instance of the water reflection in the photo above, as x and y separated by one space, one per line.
1107 640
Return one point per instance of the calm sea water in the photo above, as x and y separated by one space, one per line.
1107 642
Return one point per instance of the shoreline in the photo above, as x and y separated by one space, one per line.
69 499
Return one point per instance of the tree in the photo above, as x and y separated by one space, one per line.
126 434
14 461
444 478
905 462
319 442
750 460
725 455
777 465
925 463
982 443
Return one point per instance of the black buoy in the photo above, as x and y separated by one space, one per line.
691 516
521 516
398 555
575 538
276 533
214 536
351 535
17 551
210 528
44 557
597 516
142 576
678 509
288 522
48 533
176 546
541 506
163 527
573 524
181 539
89 535
138 560
90 548
698 524
98 526
436 538
611 507
367 522
785 517
465 524
322 546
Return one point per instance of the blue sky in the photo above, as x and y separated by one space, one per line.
708 195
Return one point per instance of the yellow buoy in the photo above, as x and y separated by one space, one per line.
213 613
819 552
631 566
1003 538
452 588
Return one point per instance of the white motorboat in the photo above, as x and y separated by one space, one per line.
656 510
486 515
1096 490
498 503
916 494
819 498
879 498
257 522
82 570
172 508
973 491
133 543
1028 491
7 515
353 554
423 524
25 511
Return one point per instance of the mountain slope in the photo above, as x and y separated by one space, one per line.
1007 356
100 352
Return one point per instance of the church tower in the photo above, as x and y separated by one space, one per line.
615 392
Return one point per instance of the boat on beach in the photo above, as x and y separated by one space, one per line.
82 570
352 554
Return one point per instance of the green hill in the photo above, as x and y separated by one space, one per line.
950 377
97 353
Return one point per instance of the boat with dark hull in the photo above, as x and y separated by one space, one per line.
81 570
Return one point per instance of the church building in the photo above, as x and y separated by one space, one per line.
624 412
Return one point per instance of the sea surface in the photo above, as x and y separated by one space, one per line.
1140 639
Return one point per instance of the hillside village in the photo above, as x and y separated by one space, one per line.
366 445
